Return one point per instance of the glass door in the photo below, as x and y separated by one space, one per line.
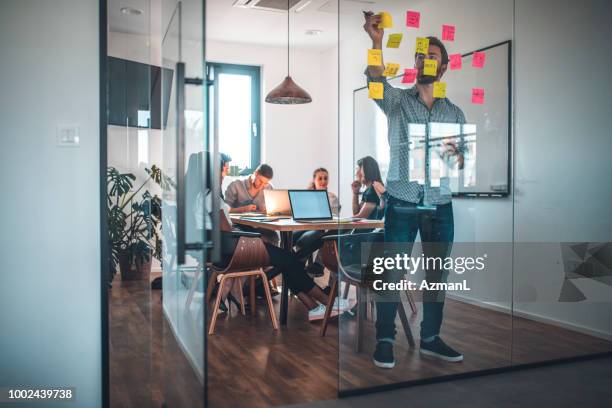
186 189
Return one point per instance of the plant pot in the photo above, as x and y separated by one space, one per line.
137 270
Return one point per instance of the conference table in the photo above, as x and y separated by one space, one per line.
287 226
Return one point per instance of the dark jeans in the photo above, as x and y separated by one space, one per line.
282 261
436 227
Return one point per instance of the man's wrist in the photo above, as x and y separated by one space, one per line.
377 44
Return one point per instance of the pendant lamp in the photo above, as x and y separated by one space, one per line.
288 92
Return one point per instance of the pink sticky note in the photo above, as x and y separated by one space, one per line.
448 32
413 19
410 75
478 96
455 61
478 59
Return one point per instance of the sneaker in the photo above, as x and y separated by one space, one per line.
317 313
342 305
438 349
383 355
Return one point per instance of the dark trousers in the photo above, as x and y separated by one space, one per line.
436 227
283 261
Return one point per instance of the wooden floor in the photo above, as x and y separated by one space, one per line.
249 364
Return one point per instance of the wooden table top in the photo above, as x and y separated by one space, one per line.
288 224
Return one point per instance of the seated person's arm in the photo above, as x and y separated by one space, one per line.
231 198
366 209
243 209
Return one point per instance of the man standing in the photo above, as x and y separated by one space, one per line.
404 211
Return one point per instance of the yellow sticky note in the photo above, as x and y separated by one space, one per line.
375 90
439 90
430 67
391 69
386 21
422 45
375 57
394 40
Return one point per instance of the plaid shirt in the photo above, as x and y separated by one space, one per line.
403 107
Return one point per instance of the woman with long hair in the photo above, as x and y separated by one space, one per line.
368 176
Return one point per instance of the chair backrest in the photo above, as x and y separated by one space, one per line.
250 253
340 251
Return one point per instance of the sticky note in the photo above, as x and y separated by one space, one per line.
375 57
448 32
413 19
478 59
439 90
422 45
375 90
394 40
478 96
386 21
410 75
391 69
454 61
430 67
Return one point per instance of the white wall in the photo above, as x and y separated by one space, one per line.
295 139
50 245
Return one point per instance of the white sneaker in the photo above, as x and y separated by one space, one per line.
342 305
317 313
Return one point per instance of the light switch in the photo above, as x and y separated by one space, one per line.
68 135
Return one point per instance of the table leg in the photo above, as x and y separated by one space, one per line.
286 243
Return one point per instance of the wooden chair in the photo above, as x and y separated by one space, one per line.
248 261
351 274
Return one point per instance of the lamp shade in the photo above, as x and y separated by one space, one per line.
288 93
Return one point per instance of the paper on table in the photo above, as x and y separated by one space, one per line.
386 21
430 67
375 57
448 32
478 95
455 61
391 69
410 75
478 59
439 90
375 90
413 19
422 45
394 40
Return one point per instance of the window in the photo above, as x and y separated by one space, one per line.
237 113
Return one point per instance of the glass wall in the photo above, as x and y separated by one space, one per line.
487 259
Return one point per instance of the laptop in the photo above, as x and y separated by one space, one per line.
277 202
310 205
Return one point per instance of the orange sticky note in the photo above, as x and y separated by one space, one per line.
422 45
391 69
455 61
430 67
410 75
478 95
439 90
478 59
375 90
448 32
394 40
386 21
413 19
375 57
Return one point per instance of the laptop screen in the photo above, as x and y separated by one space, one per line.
310 204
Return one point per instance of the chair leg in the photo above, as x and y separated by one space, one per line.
328 308
239 282
213 320
405 324
268 298
345 292
211 285
192 289
411 301
252 299
361 309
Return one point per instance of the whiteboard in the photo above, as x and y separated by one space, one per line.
492 120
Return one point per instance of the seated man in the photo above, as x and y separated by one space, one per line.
247 195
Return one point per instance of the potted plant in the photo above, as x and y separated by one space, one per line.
133 224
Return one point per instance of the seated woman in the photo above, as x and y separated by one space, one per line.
368 175
284 262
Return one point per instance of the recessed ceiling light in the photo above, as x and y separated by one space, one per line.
314 32
131 11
